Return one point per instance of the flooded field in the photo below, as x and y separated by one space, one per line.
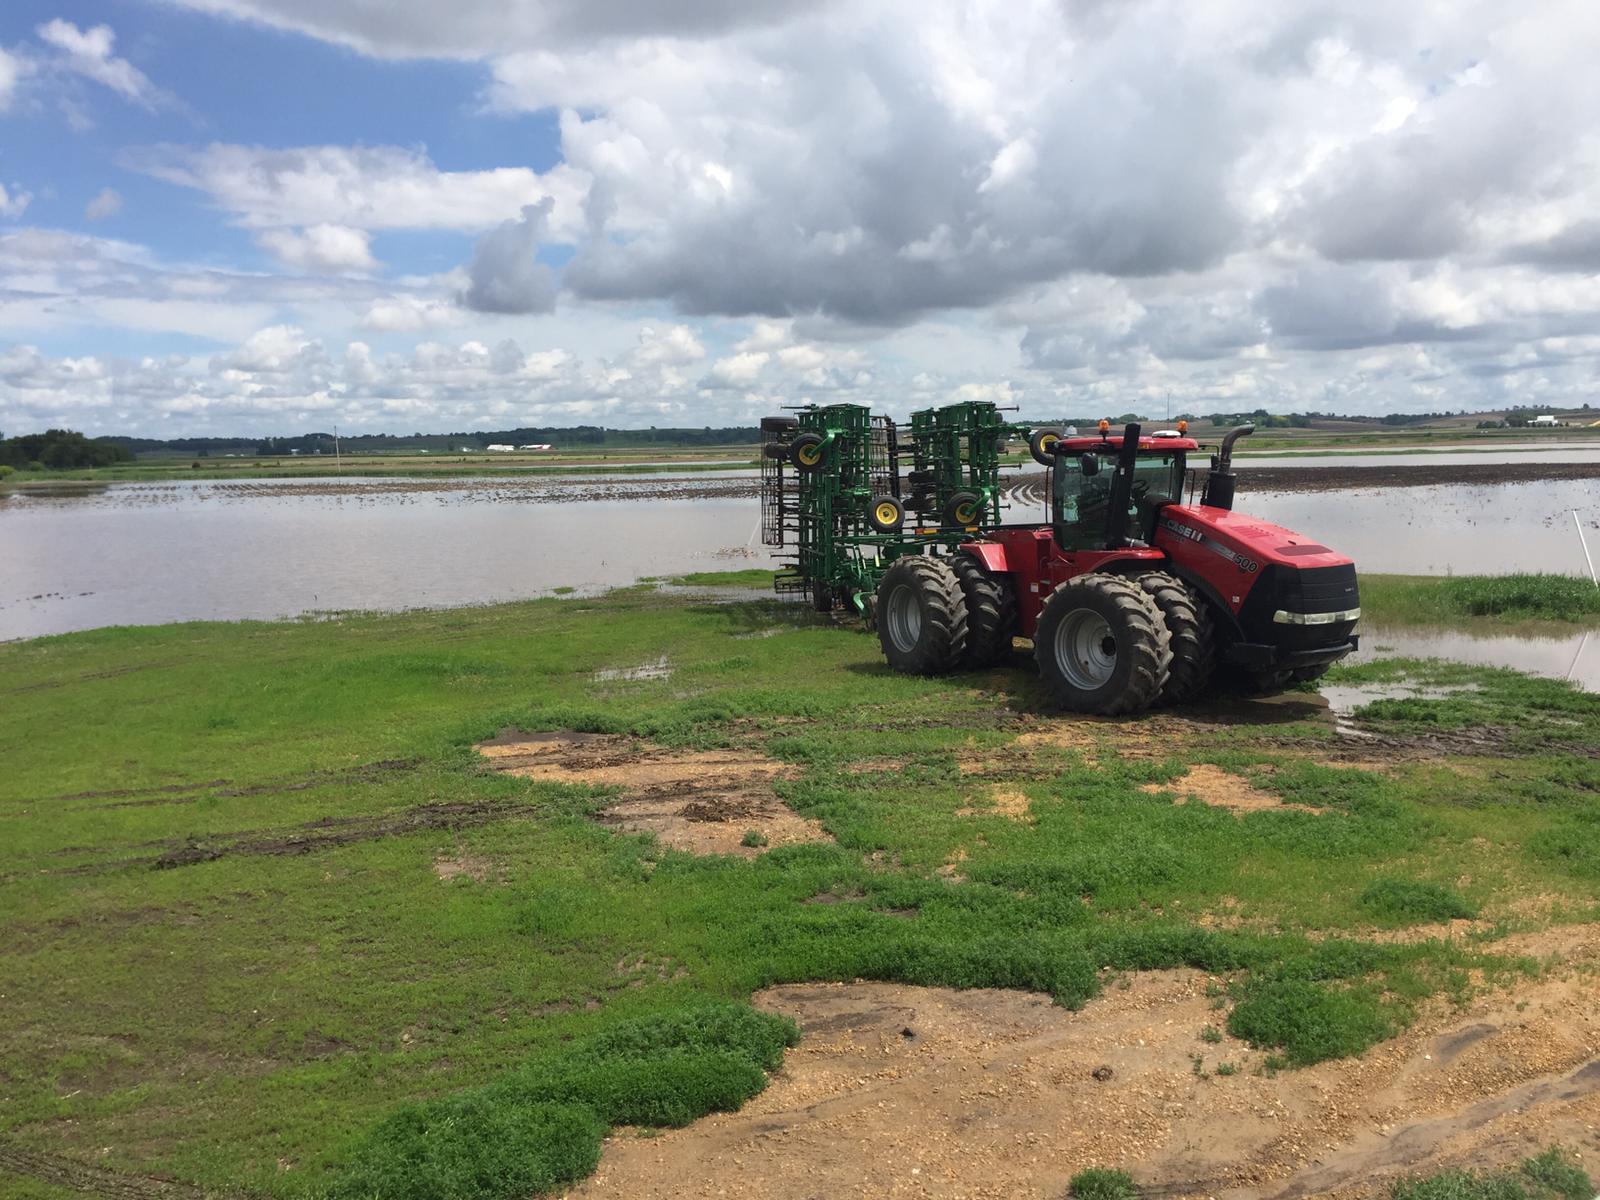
82 556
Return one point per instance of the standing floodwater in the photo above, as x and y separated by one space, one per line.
77 558
145 554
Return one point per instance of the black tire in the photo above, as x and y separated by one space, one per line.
775 450
963 510
886 514
918 479
1102 646
991 612
805 452
922 616
778 424
1039 443
1191 635
822 597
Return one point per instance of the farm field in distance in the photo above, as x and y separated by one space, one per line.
665 892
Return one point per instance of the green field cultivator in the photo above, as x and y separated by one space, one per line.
846 493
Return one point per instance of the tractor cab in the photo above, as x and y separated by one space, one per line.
1095 504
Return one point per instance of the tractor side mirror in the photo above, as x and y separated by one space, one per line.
1089 464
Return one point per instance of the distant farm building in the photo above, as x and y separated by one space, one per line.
500 448
536 446
1545 419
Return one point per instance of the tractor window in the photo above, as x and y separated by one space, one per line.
1081 496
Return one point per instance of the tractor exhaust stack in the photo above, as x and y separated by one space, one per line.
1221 480
1122 490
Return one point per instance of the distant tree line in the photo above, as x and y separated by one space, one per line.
561 437
61 450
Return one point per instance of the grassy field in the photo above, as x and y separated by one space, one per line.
230 960
1482 601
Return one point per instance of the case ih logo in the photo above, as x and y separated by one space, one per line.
1248 565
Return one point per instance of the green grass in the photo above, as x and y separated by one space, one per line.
751 578
1098 1183
1552 1175
336 1017
540 1126
1416 900
1446 600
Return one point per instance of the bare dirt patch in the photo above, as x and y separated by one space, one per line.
702 801
1009 802
906 1091
1222 789
462 865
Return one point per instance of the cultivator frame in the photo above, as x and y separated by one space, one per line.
838 485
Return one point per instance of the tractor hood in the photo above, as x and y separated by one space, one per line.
1235 536
1229 553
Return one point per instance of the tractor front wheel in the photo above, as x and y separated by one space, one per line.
922 616
991 612
1102 645
1190 635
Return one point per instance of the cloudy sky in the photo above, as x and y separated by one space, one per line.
270 216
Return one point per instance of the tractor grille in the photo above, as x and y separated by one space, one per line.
1300 590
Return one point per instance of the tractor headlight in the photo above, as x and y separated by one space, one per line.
1284 617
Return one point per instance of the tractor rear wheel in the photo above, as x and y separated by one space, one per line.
922 616
1102 646
1190 635
991 612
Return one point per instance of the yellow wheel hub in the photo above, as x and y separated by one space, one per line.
886 514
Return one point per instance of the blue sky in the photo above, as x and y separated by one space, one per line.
262 215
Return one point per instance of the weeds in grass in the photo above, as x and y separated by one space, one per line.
1211 1034
541 1126
1413 599
1311 1021
1099 1183
1415 900
1552 1175
753 838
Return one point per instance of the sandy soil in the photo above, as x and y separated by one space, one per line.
1211 785
702 801
901 1091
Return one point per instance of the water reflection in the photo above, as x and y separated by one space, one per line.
1574 656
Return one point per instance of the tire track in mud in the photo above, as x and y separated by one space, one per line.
88 1179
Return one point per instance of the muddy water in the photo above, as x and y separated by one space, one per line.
77 558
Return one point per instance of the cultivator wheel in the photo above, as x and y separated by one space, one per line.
806 452
886 514
964 510
1102 645
922 616
991 612
1190 633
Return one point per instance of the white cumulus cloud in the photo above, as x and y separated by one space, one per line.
334 249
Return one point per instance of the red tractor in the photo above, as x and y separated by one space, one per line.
1131 598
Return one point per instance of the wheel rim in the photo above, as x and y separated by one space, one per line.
966 515
1086 650
811 455
886 514
904 619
